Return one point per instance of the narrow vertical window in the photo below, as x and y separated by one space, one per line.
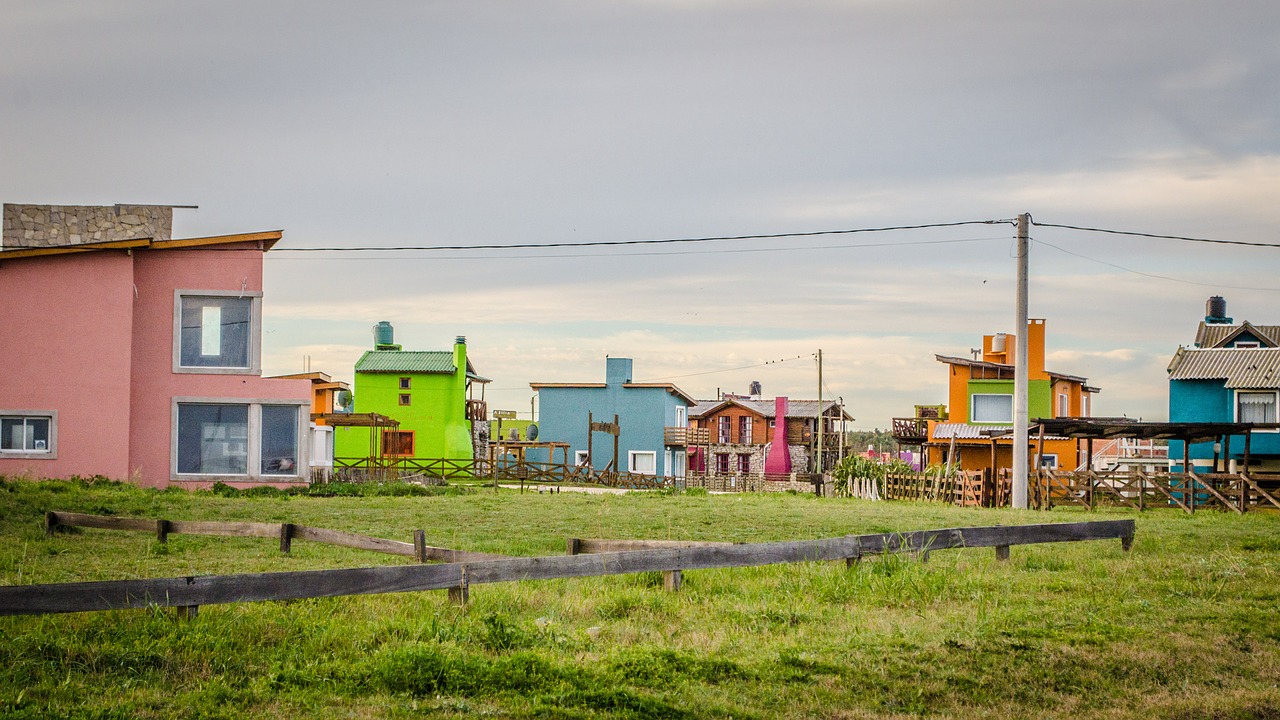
279 440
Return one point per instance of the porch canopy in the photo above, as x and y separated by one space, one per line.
1091 429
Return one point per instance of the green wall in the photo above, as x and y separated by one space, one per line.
1039 395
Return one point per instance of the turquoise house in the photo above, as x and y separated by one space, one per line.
1230 375
645 413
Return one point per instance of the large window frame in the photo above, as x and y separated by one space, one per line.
49 452
1272 402
253 442
973 408
633 466
253 365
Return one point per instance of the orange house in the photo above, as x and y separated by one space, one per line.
980 407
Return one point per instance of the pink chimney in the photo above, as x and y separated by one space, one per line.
778 461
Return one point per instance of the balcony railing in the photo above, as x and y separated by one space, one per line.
476 410
682 436
910 430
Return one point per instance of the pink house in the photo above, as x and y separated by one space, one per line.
129 354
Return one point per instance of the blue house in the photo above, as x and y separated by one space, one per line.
645 412
1230 375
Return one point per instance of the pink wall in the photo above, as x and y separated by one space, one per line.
778 461
90 335
155 384
61 321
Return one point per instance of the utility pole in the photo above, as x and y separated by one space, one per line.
1020 418
818 463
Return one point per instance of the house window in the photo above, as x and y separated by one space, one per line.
580 458
213 439
642 462
398 443
1064 405
216 331
28 434
722 463
405 382
1246 344
245 439
744 430
1255 407
405 399
1084 406
1048 462
279 440
725 429
992 409
744 462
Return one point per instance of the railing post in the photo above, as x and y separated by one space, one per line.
573 546
672 580
286 537
1002 552
460 594
420 545
162 531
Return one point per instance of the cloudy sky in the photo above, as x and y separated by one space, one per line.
500 123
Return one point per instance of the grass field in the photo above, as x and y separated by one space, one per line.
1184 626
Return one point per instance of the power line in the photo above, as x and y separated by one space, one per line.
1156 236
616 243
713 372
1150 275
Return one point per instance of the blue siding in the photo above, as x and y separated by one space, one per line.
643 413
1211 401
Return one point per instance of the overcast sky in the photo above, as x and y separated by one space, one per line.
465 123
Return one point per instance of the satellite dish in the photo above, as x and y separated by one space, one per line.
532 432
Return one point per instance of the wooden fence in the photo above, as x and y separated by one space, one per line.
188 593
1135 488
506 470
286 532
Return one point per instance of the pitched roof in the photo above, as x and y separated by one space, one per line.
1212 335
265 239
1241 368
660 386
765 408
431 362
1004 371
964 431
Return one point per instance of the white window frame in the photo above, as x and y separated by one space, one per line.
1246 344
255 332
1275 403
1064 405
666 463
682 416
580 459
50 453
302 463
1049 461
632 455
973 405
681 465
1084 405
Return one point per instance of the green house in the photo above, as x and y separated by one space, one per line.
428 392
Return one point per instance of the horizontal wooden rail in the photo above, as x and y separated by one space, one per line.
286 532
194 591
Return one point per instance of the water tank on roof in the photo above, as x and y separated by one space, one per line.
383 334
1215 310
755 389
998 342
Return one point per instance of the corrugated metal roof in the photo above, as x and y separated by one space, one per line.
399 361
767 408
1212 335
964 431
1241 368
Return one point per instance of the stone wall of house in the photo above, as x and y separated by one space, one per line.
28 226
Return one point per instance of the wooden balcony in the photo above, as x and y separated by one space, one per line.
477 410
911 431
684 436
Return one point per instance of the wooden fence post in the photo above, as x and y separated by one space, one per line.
460 593
1002 552
672 580
186 612
420 545
162 531
286 537
50 522
573 546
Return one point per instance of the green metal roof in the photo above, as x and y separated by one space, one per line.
405 361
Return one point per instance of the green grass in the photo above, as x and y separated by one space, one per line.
1184 626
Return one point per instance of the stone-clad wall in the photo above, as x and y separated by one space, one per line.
28 226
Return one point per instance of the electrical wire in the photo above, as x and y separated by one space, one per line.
616 243
1157 236
724 370
1150 275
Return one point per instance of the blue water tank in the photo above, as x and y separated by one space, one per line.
383 334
